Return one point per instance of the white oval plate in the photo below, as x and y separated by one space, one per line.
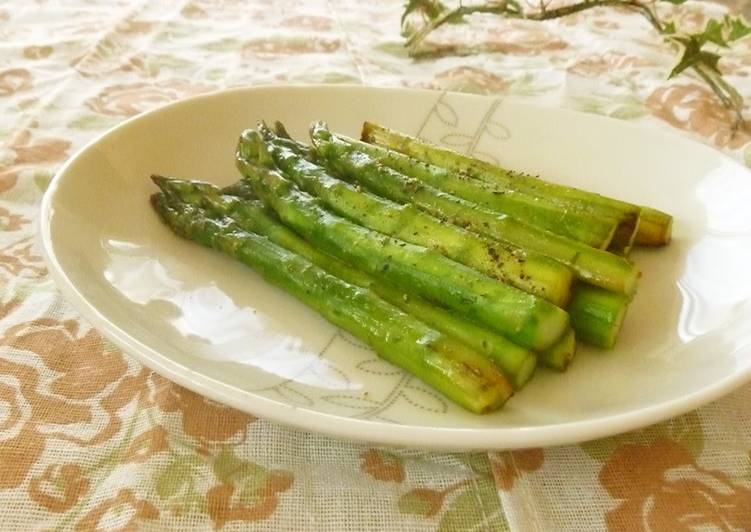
212 325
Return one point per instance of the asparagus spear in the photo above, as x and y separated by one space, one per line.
656 231
561 354
523 318
530 272
534 211
597 315
655 228
517 363
611 307
557 357
460 373
593 266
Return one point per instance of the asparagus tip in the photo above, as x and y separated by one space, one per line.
159 180
281 131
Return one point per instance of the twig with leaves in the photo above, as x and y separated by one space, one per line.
698 51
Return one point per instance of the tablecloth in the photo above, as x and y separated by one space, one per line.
91 440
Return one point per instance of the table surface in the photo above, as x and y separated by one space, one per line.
90 439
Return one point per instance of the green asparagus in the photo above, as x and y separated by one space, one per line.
516 362
655 232
347 161
540 213
655 228
460 373
479 338
593 266
523 318
597 315
530 272
561 354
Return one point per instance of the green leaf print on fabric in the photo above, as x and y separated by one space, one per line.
477 507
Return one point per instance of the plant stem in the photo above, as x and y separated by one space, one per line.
726 93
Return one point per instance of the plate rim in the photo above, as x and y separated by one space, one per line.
371 431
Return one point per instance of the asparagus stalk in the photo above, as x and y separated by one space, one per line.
523 318
530 272
593 266
557 357
597 315
655 228
460 373
346 160
561 354
534 211
517 363
656 232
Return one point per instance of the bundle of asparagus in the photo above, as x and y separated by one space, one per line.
462 273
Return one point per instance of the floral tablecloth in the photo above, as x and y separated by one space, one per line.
91 440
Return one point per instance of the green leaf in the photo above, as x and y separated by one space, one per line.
669 28
227 466
170 480
690 57
739 28
479 463
685 430
478 507
713 33
676 2
421 501
252 488
42 179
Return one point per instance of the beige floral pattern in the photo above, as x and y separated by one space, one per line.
59 487
92 440
598 64
14 80
87 369
643 479
10 221
27 153
695 109
131 99
271 48
472 79
508 467
382 466
202 418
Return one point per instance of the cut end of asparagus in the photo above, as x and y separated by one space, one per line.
366 135
559 356
655 228
599 328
